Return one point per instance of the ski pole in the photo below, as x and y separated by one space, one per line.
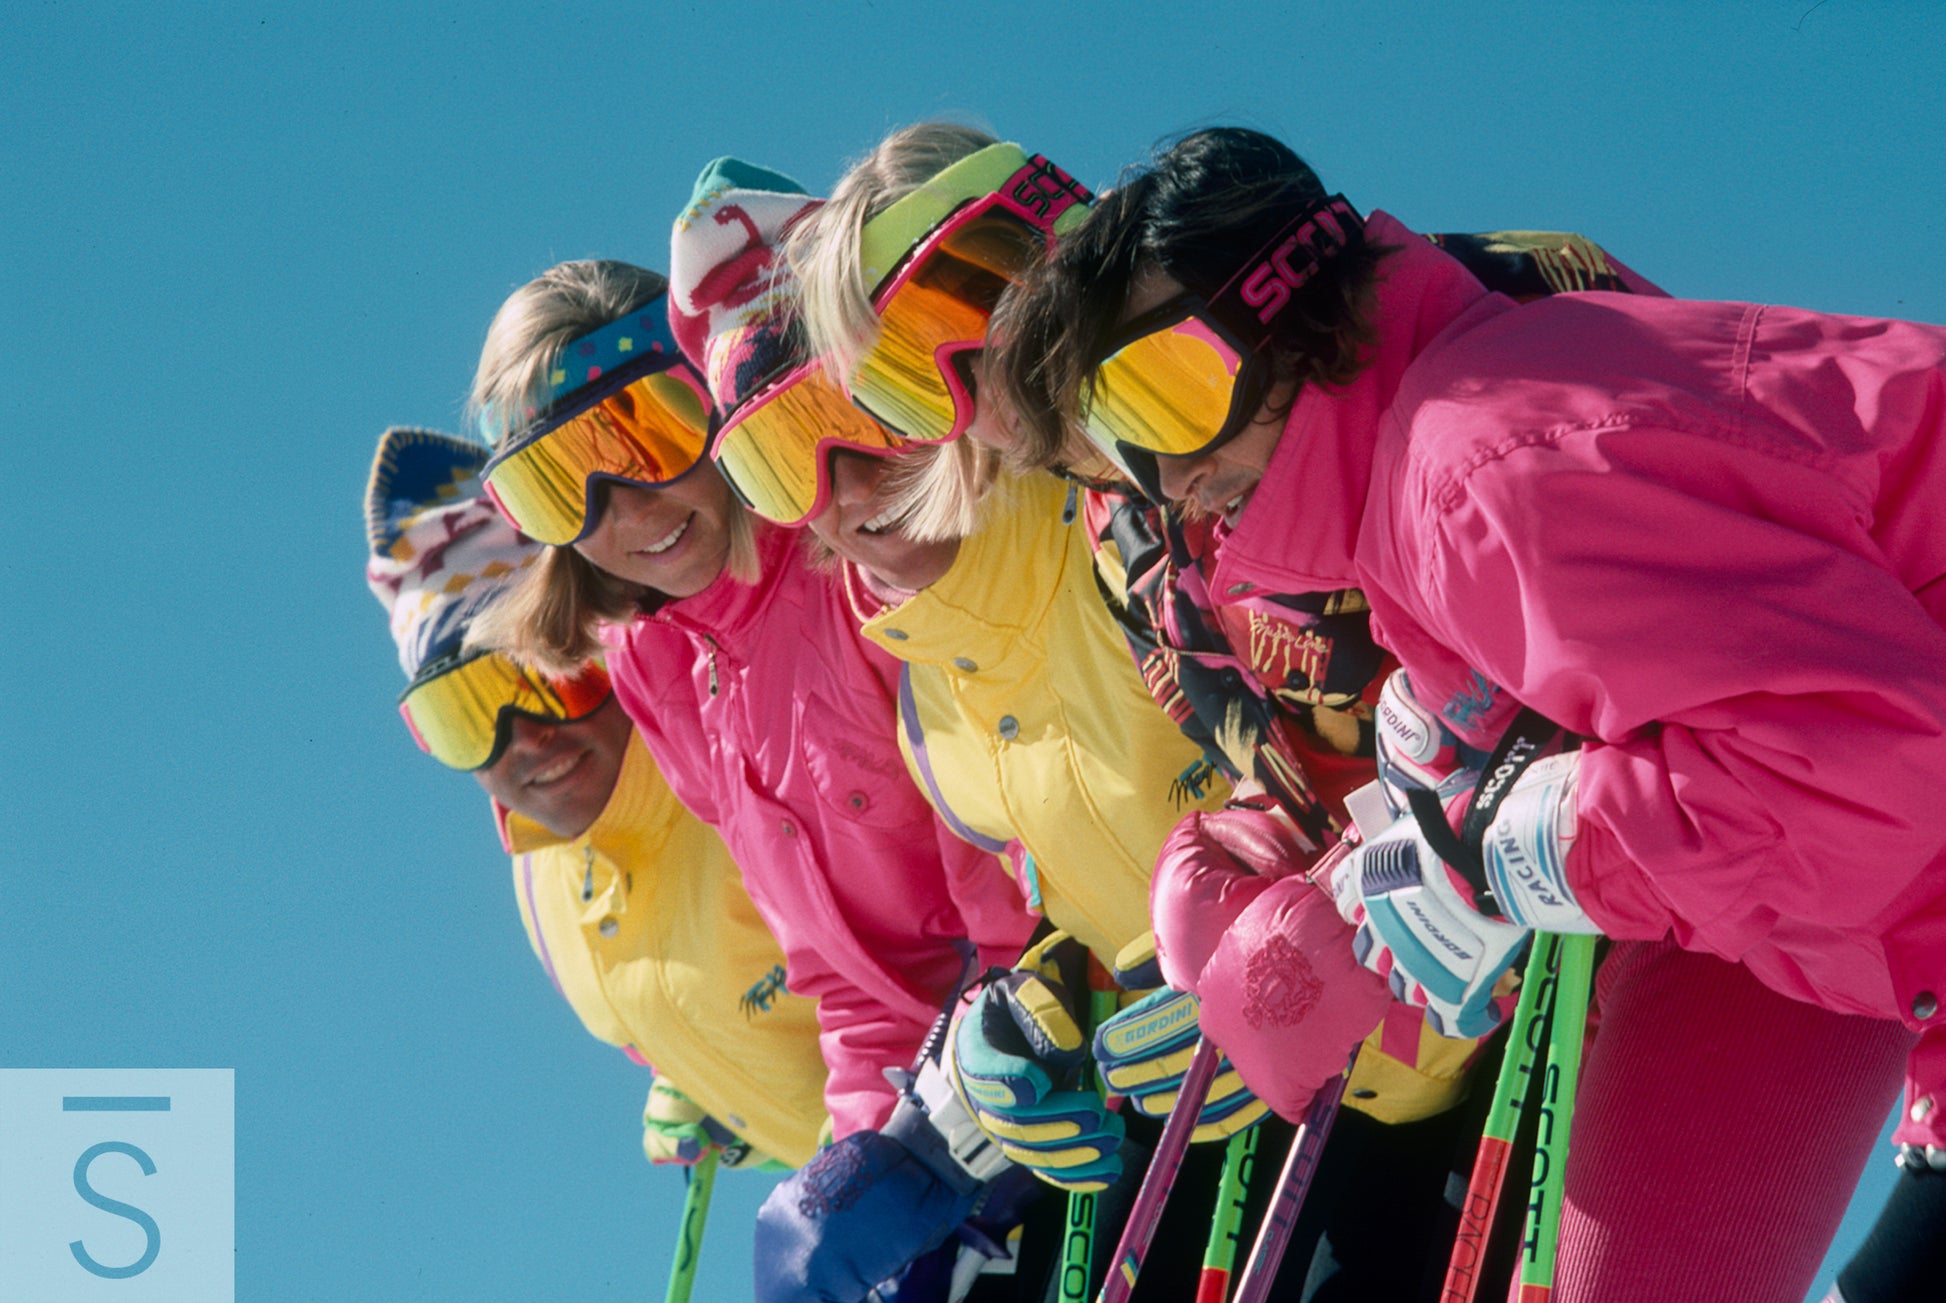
1239 1157
689 1244
1164 1166
1078 1244
1524 1039
1565 1035
1292 1185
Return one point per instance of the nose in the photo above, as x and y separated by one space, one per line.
1179 476
855 477
526 734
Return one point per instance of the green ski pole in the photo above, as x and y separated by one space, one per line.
1524 1039
1239 1156
695 1212
1556 1119
1078 1239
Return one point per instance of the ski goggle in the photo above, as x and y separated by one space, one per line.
1185 378
1178 383
645 422
938 260
462 716
774 449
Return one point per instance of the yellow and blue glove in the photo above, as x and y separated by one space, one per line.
1144 1051
675 1129
1015 1061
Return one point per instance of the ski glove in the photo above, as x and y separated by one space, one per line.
1415 748
675 1129
852 1222
1143 1052
1436 940
1263 949
1016 1055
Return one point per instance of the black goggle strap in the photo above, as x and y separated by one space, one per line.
1525 741
1253 298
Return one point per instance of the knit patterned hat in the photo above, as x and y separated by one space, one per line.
731 294
440 552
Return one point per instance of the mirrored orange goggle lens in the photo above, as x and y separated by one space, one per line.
773 451
456 716
651 430
945 300
1168 392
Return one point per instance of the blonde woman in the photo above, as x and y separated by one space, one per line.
768 715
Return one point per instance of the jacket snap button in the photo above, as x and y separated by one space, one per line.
961 662
858 801
1240 588
1925 1004
897 635
609 927
1009 727
790 829
1922 1108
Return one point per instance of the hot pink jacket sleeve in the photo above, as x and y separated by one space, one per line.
1709 537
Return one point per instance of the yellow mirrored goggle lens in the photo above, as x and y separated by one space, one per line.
651 431
945 299
772 452
1167 392
455 716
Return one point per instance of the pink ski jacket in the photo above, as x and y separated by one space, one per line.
776 723
1708 537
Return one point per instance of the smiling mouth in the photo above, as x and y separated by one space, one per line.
883 523
670 539
556 771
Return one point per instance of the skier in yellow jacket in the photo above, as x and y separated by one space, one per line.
632 905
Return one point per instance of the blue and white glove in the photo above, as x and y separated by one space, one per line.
1416 751
1014 1060
1443 942
1143 1052
864 1210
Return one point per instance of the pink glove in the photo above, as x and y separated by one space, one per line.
1207 872
1266 953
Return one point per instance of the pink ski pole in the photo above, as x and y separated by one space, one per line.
1292 1185
1164 1166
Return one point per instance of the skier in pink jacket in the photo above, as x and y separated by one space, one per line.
771 719
1702 537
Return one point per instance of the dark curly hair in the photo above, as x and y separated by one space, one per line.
1195 211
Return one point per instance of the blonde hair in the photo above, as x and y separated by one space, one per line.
551 616
824 250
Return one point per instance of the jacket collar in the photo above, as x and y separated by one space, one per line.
728 608
1300 530
998 590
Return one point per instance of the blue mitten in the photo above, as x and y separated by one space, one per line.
862 1211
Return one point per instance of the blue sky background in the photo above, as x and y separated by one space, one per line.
236 242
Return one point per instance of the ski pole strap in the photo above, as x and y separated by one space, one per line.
689 1241
1239 1158
1569 1023
1520 746
1524 1037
